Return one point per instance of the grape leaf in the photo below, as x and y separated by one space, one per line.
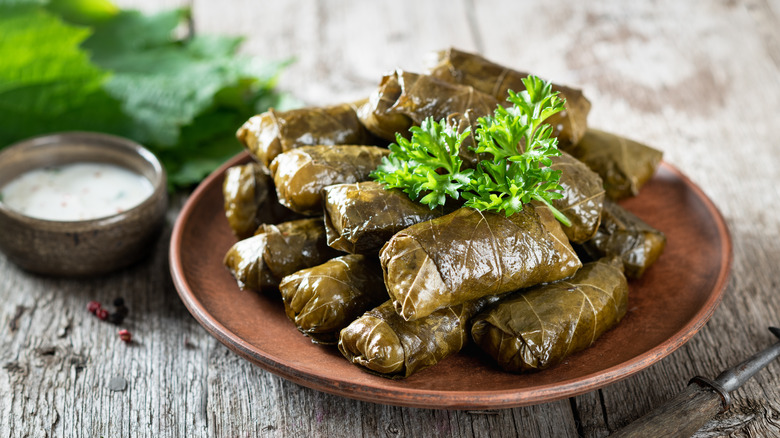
46 82
130 74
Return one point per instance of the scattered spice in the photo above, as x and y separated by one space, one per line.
102 314
119 315
115 317
125 336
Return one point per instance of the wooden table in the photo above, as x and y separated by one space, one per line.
699 80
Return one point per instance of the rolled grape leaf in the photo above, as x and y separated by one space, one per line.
245 190
469 254
583 197
376 114
249 199
360 218
404 99
383 343
537 328
488 77
622 234
623 164
301 174
261 261
324 299
269 134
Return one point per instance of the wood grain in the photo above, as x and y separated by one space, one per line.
679 417
696 79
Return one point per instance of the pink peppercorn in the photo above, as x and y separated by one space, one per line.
93 307
102 314
125 335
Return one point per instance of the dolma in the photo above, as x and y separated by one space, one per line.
245 191
404 99
249 199
537 328
324 299
301 174
382 342
488 77
468 254
360 218
623 164
583 196
261 261
622 234
376 115
269 134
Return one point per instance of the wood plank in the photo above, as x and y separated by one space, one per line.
341 48
698 80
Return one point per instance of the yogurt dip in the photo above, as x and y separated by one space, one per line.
76 192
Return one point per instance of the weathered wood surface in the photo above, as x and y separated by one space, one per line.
699 80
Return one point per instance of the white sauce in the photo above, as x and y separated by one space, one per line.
74 192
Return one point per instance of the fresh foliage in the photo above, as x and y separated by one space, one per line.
516 140
429 163
521 146
87 65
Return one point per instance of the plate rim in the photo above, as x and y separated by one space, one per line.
432 398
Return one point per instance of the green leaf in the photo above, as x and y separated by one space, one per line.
132 31
428 164
83 12
129 74
521 146
518 172
47 83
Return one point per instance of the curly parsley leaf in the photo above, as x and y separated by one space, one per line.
521 146
427 165
519 172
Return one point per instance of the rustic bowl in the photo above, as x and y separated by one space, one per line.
87 247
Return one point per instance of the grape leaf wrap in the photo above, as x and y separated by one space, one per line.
539 327
301 174
324 299
361 217
382 342
261 261
404 99
269 134
622 234
624 165
469 254
488 77
582 200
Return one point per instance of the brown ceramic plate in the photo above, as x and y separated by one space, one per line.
666 308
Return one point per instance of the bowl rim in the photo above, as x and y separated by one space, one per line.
93 139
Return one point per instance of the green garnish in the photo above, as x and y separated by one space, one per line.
428 163
519 142
88 65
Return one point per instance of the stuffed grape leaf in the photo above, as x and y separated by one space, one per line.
301 174
537 328
469 254
324 299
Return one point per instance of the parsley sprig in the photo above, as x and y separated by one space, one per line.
521 146
519 171
428 163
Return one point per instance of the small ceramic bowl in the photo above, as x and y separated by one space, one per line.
82 247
